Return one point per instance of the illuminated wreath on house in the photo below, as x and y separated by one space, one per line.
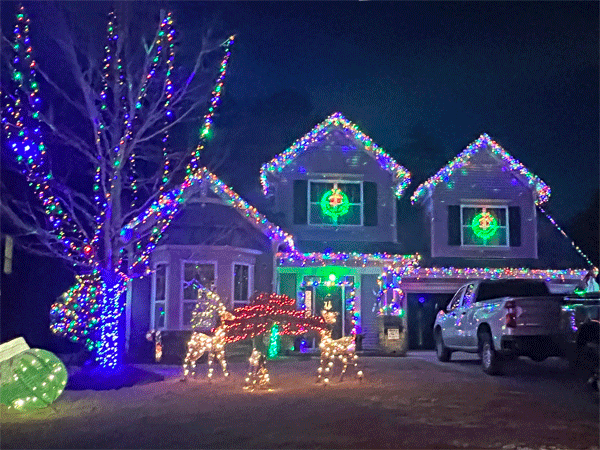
335 203
484 225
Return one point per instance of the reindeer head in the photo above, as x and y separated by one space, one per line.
226 315
329 316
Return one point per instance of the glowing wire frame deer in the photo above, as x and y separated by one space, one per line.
343 349
201 343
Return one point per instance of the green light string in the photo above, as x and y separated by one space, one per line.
575 246
274 341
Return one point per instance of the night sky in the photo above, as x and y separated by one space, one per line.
423 79
525 73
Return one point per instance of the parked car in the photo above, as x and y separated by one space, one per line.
500 320
580 326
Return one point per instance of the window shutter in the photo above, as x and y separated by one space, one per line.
300 201
514 225
370 204
454 225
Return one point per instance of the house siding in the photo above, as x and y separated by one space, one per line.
337 156
482 180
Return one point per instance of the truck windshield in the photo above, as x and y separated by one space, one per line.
511 288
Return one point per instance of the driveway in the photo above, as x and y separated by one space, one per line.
412 402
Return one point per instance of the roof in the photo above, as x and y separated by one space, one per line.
249 212
484 142
169 204
336 120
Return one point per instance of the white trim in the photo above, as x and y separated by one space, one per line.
335 182
153 294
477 204
250 282
182 300
208 247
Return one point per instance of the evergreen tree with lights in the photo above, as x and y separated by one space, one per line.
127 107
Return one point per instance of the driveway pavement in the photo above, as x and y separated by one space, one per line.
412 402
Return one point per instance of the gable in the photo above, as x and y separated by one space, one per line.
214 224
484 151
338 129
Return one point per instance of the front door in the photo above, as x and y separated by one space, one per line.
332 298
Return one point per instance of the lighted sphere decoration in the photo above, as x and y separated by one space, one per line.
484 225
31 378
335 203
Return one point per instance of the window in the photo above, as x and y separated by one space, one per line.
468 297
484 226
335 203
241 284
160 297
455 300
195 276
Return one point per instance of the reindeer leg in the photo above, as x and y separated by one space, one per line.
345 361
211 356
221 358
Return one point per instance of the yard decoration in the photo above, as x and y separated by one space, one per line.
343 348
155 337
258 375
265 311
200 343
31 378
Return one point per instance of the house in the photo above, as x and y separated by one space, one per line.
335 192
218 241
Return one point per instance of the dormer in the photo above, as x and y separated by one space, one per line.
482 205
335 184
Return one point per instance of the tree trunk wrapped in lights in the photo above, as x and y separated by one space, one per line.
105 226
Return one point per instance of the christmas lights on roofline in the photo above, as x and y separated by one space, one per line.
317 134
298 259
462 160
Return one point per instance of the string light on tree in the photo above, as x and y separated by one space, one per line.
89 312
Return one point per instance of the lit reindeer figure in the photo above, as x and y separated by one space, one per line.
343 348
201 343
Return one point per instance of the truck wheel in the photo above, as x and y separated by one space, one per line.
443 352
490 359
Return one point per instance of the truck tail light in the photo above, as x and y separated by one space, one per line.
511 320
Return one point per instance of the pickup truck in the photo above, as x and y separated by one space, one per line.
500 320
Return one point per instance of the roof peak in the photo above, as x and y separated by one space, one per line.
484 141
318 132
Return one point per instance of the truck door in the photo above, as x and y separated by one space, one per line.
465 336
448 322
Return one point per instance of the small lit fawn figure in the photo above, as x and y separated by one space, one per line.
343 348
201 343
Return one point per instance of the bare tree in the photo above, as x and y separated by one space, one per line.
116 179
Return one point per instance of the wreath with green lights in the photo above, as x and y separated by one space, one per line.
484 225
335 203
